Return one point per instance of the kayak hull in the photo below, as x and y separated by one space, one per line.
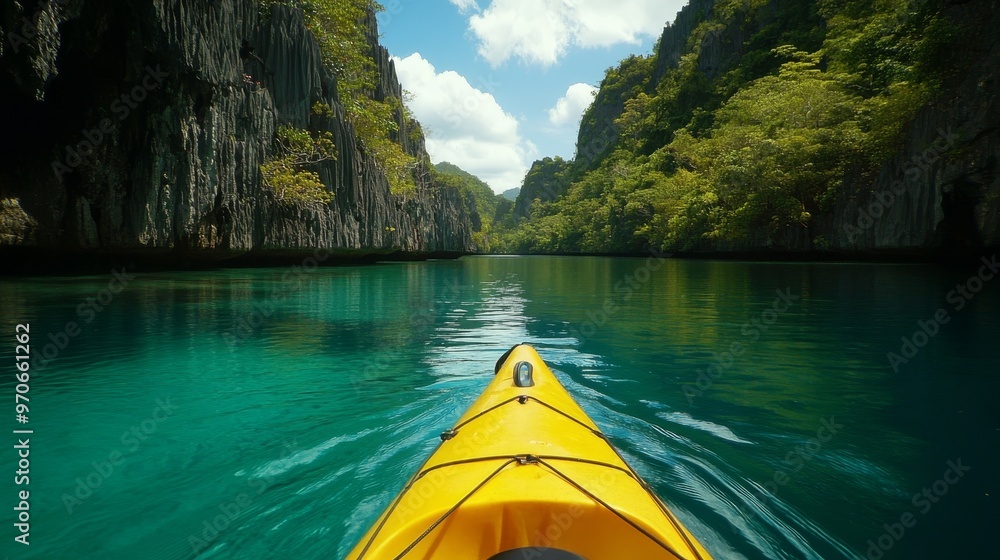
526 468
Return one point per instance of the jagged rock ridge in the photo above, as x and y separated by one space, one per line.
157 88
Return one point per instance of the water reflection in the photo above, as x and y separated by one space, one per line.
331 395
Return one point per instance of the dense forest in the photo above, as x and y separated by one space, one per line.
756 140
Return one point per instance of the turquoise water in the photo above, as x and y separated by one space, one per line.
266 414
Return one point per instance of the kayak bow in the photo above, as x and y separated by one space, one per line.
526 474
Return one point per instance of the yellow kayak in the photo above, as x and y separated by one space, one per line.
525 474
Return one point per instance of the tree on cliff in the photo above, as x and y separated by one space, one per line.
341 29
724 146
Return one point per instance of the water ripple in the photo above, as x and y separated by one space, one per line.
685 419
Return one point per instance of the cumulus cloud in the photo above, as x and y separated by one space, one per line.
465 125
571 106
466 6
541 31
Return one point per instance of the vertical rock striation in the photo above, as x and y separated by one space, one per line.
155 91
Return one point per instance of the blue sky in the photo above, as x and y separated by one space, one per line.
498 84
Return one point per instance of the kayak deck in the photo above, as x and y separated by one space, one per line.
526 470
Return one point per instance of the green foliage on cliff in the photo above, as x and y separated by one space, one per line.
546 180
776 154
290 174
755 141
632 79
484 200
341 29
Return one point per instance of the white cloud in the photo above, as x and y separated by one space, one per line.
571 106
465 125
541 31
466 6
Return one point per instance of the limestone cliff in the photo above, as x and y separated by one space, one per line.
941 192
938 196
138 130
545 181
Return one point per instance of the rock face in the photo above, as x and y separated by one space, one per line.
674 41
941 192
545 181
155 91
598 132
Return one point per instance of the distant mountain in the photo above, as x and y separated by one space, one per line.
448 168
511 194
488 205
